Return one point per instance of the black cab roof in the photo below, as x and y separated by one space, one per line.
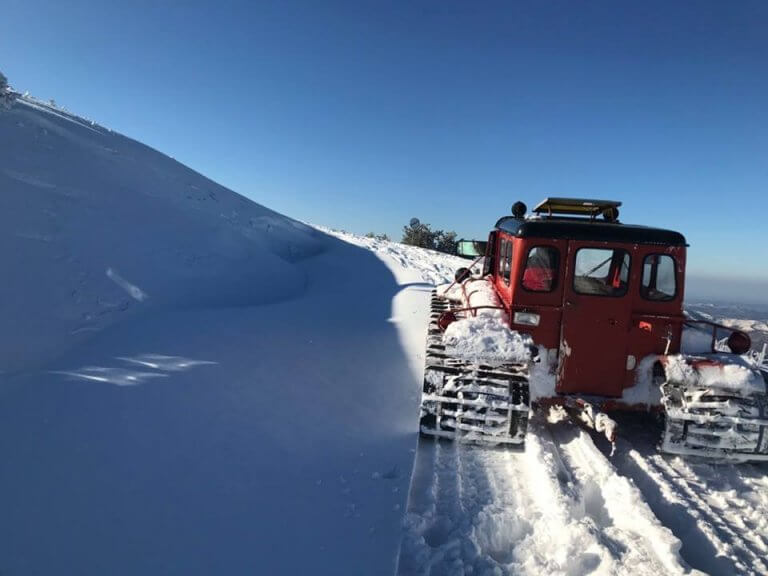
588 229
577 219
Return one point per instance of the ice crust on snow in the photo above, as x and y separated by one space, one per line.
487 339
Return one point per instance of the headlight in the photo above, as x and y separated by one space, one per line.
526 318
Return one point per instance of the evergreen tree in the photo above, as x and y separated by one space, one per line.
419 234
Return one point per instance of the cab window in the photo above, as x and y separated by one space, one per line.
488 261
505 259
541 268
502 256
601 272
659 281
508 263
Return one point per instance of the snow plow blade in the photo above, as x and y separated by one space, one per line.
714 408
471 402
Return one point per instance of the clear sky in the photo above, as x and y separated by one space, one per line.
360 115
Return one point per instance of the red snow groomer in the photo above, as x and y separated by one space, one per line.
598 306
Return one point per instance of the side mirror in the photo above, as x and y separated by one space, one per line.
471 249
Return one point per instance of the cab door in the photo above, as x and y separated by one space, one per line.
596 319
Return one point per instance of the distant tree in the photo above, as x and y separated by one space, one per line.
419 234
445 242
7 96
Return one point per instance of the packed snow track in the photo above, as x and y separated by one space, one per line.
558 507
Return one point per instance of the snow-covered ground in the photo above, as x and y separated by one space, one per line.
191 383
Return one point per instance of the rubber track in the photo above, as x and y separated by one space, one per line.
713 422
466 401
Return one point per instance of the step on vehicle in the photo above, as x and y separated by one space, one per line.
599 305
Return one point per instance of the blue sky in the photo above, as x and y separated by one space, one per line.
360 115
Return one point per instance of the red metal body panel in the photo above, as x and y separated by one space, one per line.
601 332
547 304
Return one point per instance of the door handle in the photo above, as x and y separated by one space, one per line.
570 303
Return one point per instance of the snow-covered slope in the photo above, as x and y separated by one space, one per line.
96 225
191 383
431 267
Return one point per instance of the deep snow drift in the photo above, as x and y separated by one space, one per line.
191 383
96 226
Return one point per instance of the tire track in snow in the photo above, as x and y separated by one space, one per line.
542 511
742 489
728 552
742 509
623 522
754 551
719 512
562 542
454 513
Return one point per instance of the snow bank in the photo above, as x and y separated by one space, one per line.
93 222
430 266
191 383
